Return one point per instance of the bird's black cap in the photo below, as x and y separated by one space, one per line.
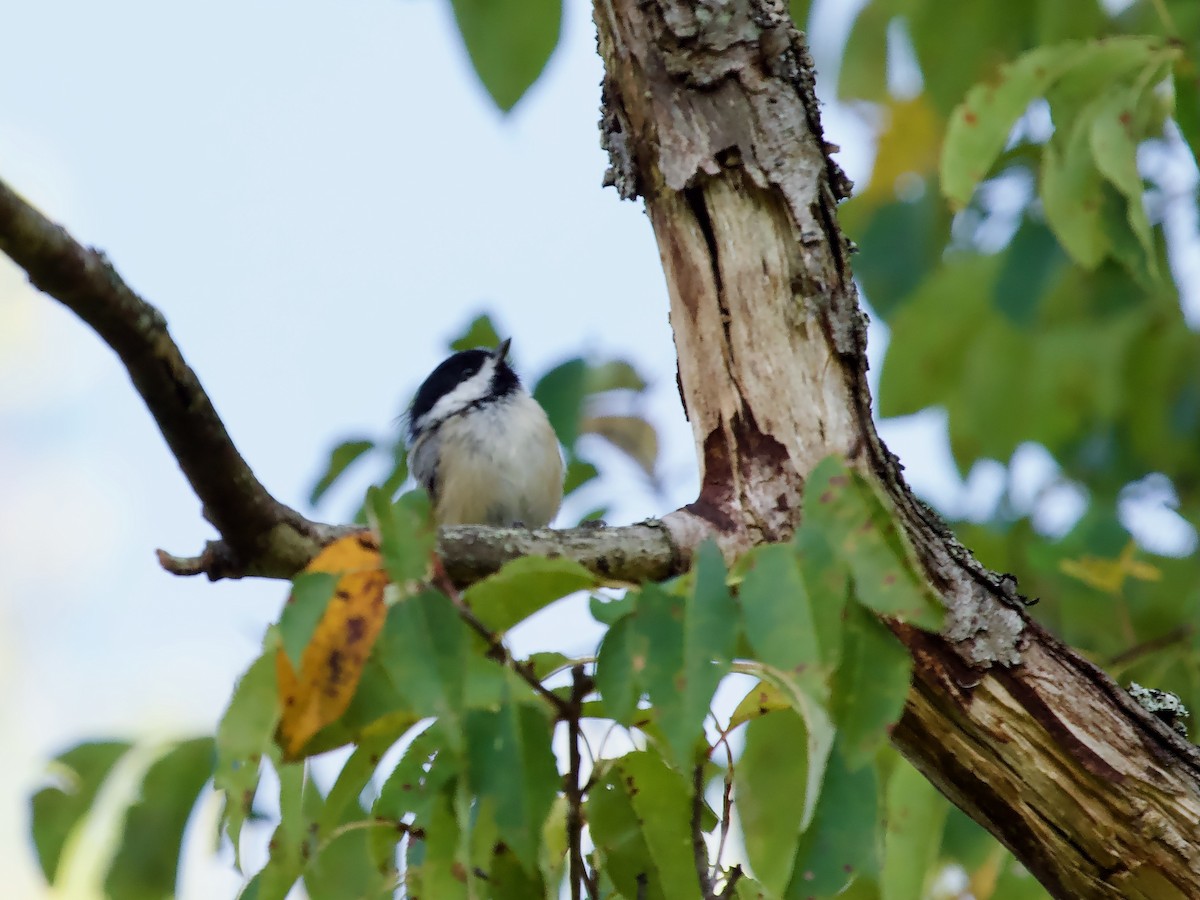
458 368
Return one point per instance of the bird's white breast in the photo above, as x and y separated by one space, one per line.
499 464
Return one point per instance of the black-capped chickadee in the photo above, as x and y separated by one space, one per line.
481 446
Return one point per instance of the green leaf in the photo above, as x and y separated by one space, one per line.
1099 66
58 810
339 867
1072 195
684 649
916 813
997 357
341 458
1015 883
407 535
870 686
339 870
560 392
863 72
355 773
980 126
1072 74
827 579
490 684
932 335
639 815
507 879
414 785
579 473
1187 100
768 778
778 618
424 648
1074 395
311 593
841 842
395 478
863 533
607 610
632 435
246 732
1114 148
436 864
524 586
614 375
1033 257
480 333
800 10
547 662
615 677
900 245
509 42
291 843
146 862
819 732
984 36
553 858
510 761
760 700
965 841
1162 364
1056 21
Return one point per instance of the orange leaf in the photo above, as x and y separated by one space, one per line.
332 663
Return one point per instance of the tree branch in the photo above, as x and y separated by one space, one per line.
261 535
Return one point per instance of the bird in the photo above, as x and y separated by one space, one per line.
481 446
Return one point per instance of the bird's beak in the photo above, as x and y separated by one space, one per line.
502 351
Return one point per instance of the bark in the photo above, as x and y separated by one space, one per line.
709 116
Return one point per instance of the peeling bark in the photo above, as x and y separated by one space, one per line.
709 116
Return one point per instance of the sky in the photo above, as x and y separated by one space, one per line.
317 195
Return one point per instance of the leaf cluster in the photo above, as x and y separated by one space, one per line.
454 786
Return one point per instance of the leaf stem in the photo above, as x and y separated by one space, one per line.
580 685
496 647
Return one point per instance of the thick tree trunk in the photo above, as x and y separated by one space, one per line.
710 117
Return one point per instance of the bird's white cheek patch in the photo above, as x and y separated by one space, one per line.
470 391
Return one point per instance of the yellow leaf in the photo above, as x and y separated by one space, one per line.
332 663
910 144
1109 575
983 880
760 700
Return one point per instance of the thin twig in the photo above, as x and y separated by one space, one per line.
347 827
581 684
726 803
731 884
699 848
1165 15
1137 651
